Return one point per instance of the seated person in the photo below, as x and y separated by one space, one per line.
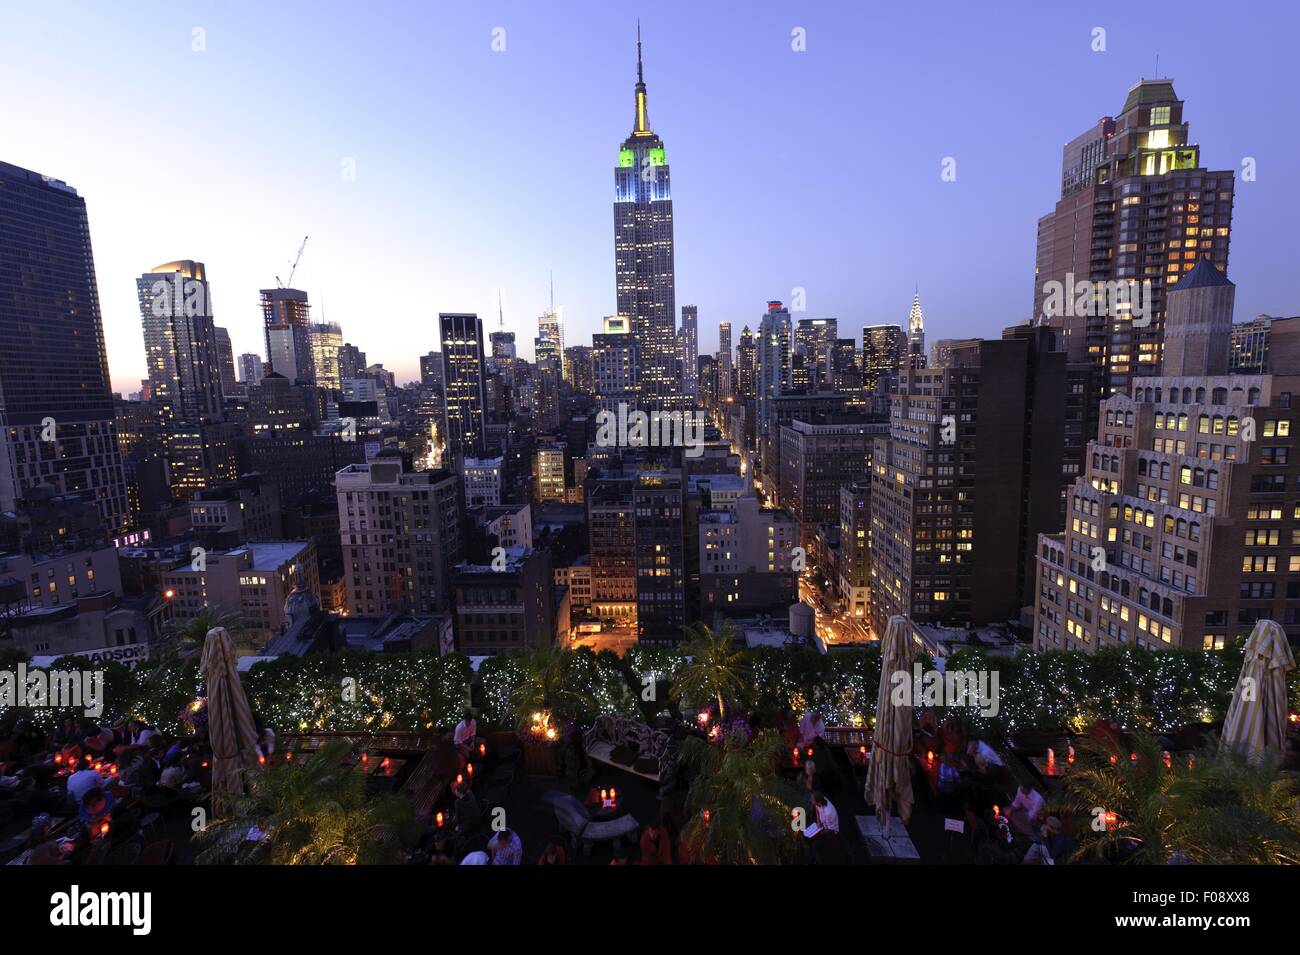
100 742
440 850
553 854
466 734
136 735
827 817
96 806
147 767
811 727
466 813
1026 809
266 742
82 782
656 845
1053 846
504 848
983 755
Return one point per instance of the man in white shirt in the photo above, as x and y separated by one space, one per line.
1026 808
82 782
466 733
811 727
827 817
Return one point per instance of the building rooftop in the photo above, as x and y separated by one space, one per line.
1205 274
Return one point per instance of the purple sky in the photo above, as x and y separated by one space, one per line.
479 170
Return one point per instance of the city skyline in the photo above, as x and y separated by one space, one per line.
698 105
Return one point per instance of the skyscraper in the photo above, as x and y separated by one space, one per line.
1183 528
688 352
401 535
1136 206
250 368
226 361
660 555
57 423
724 360
550 326
325 339
463 384
882 356
746 365
431 371
773 356
815 338
184 361
915 334
549 361
643 253
614 365
967 478
180 342
286 320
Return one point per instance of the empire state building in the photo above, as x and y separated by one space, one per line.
643 254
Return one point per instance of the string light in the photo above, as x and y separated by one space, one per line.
1139 689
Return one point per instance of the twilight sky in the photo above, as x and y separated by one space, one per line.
478 170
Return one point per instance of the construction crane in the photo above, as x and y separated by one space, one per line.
294 268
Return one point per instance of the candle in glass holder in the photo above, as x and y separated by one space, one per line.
1069 754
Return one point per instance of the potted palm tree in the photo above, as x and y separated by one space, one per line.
1149 806
310 812
183 639
545 697
740 809
715 671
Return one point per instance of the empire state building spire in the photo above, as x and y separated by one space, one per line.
642 127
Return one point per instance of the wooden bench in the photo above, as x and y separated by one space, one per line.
425 786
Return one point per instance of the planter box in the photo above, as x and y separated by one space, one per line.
541 758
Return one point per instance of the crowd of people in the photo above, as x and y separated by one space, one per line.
84 785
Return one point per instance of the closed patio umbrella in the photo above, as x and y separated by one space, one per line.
1256 719
230 722
889 774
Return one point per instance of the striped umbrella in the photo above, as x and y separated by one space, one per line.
889 775
230 723
1256 719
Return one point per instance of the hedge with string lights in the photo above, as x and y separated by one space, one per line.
1057 690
